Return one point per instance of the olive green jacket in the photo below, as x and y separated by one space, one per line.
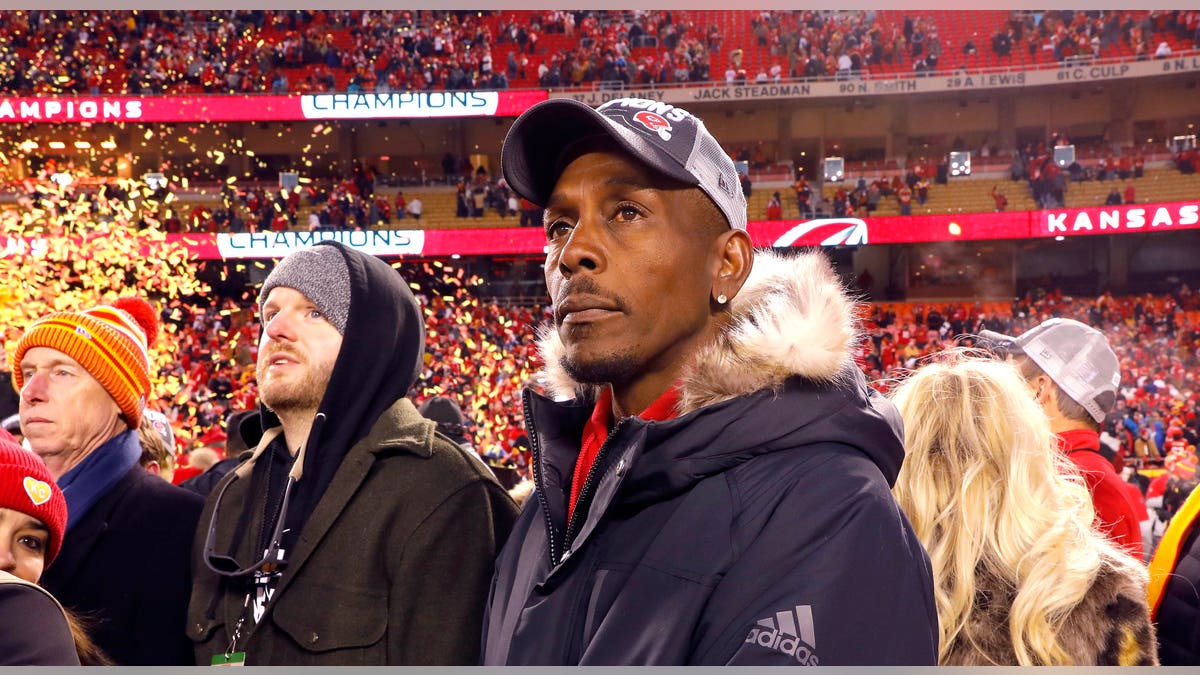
392 567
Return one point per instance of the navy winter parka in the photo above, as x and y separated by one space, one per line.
756 528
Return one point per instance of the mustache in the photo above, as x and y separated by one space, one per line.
588 286
285 351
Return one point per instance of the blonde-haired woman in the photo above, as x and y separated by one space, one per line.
1021 577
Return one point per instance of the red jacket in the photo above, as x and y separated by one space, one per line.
1116 514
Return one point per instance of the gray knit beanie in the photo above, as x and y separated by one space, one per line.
320 273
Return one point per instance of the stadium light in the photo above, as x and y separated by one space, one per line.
57 145
108 145
82 145
288 180
155 181
960 163
1064 155
28 146
835 169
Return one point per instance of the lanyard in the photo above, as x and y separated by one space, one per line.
237 627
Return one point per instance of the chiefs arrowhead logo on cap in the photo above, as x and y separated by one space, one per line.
654 122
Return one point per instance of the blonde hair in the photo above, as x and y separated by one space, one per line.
154 446
988 492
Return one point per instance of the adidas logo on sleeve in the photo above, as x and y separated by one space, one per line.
790 632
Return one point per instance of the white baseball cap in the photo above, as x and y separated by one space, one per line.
1076 356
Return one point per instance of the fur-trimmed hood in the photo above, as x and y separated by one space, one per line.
779 376
791 318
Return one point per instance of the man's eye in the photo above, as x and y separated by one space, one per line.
628 212
315 314
557 229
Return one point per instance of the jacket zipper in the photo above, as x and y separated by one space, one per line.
536 449
589 486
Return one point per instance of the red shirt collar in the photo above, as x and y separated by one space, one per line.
1079 439
595 432
660 410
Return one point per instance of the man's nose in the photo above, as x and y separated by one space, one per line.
281 326
35 387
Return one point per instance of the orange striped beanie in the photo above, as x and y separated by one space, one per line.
110 341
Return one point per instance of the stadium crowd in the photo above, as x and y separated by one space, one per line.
303 51
480 352
1156 337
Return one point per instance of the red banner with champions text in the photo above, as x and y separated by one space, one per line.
266 108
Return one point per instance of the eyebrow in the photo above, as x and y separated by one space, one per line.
615 181
55 362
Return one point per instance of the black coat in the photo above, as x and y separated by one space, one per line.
127 565
1178 616
721 537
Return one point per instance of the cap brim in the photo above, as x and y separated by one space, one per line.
531 151
1001 342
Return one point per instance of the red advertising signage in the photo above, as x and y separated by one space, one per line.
420 104
1116 219
1134 218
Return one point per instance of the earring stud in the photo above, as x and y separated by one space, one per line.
721 299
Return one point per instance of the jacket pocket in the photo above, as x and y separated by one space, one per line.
322 618
200 629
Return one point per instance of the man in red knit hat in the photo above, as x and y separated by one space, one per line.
84 378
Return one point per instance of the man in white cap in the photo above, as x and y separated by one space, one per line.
1074 375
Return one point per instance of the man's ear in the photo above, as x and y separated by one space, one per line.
1043 391
152 468
735 258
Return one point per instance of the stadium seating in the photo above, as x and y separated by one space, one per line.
174 40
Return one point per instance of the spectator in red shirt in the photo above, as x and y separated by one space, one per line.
904 196
1001 200
774 208
1074 374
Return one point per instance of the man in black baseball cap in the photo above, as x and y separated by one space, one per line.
712 472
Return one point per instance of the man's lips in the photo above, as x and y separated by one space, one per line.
37 420
282 360
584 309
